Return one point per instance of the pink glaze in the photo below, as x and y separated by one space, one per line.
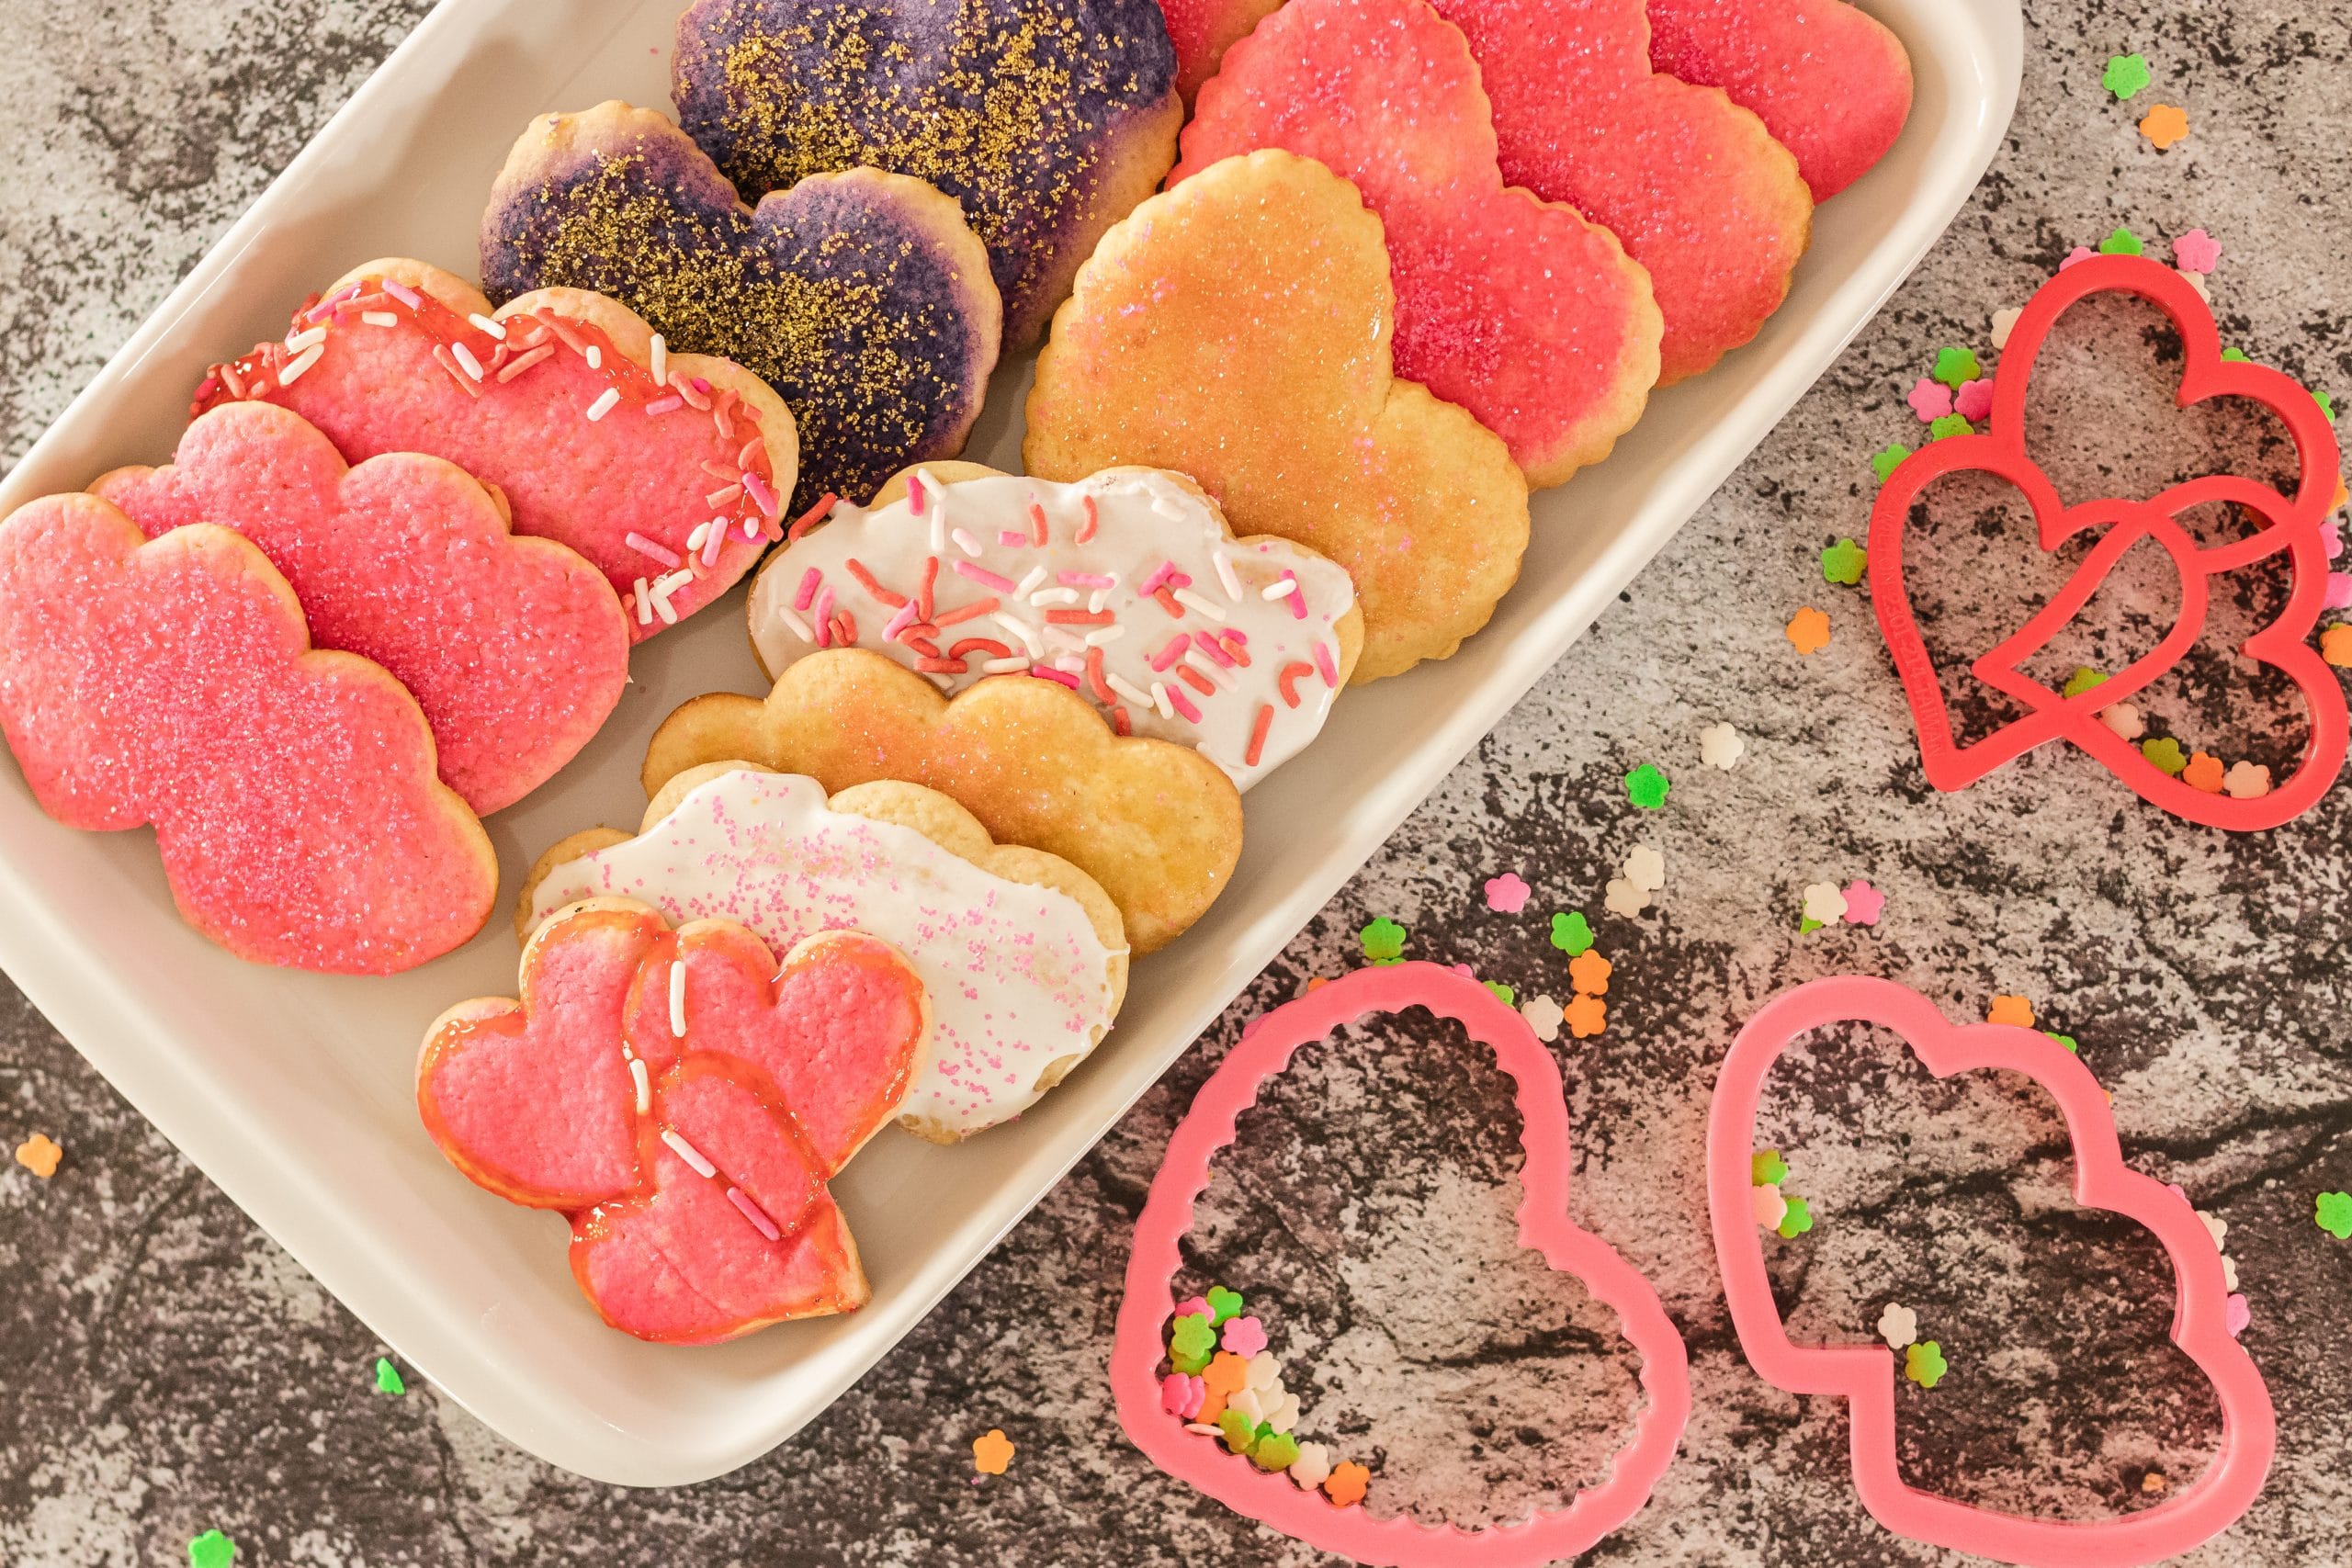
515 648
780 1072
588 484
292 793
1866 1375
836 1035
1519 309
535 1101
1275 1500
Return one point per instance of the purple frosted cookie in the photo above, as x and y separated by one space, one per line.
861 297
1048 120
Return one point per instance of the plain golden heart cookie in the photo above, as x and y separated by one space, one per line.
1238 328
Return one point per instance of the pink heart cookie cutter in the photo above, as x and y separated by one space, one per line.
1865 1375
2291 525
1273 1499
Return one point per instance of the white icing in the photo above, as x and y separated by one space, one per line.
1143 520
1017 977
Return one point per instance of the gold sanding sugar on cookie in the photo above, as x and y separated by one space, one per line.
1236 329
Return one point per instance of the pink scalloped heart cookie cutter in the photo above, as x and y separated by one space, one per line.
2291 525
1865 1375
1275 1500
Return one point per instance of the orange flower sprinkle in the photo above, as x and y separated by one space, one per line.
991 1451
1589 973
2164 125
1586 1017
2204 772
2010 1009
1346 1483
1809 630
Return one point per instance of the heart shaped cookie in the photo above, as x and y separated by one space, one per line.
171 682
1047 120
1022 954
1238 328
685 1098
666 471
2290 529
861 297
1518 309
1692 183
1865 1376
1830 83
513 646
1273 1499
1156 824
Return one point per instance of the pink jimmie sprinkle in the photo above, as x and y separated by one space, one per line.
1244 1337
1863 903
646 546
329 306
1085 579
1296 597
1171 653
908 614
1325 668
985 577
1974 400
1046 673
1507 894
405 294
2196 252
765 499
1160 574
714 539
825 619
660 406
1183 704
753 1213
2236 1314
808 595
916 498
1011 539
1213 648
1931 400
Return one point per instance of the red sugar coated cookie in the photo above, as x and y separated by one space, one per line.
293 792
1203 30
1692 183
685 1098
1830 83
598 440
515 648
1518 309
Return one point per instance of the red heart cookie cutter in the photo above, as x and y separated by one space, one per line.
1276 1501
2291 525
1865 1375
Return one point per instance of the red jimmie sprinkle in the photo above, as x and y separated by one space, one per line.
1290 678
1257 735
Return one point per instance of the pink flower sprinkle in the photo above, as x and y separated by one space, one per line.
1194 1306
2236 1314
1974 400
1244 1337
1931 400
2339 590
2079 253
2333 537
2196 251
1507 894
1863 903
1183 1396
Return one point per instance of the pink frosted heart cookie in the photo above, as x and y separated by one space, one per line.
1023 955
668 471
1127 587
685 1098
515 648
293 792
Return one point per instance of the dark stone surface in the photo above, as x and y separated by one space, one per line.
164 1368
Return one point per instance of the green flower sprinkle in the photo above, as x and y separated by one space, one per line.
1924 1363
1843 562
1647 787
2233 355
2332 1211
1797 1220
211 1549
2165 752
388 1378
1887 459
2083 679
1382 939
2122 243
1572 933
1950 424
1766 1169
2126 75
1503 993
1956 366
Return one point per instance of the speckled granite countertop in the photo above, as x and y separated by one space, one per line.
165 1368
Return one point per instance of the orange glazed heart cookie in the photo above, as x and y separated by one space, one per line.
1239 329
1156 824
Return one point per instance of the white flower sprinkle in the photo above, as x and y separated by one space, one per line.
605 402
1719 746
1899 1327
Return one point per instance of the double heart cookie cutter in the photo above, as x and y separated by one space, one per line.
1544 1226
1866 1376
2290 525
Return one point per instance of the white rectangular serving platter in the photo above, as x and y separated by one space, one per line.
294 1091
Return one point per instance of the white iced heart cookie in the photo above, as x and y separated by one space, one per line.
1127 587
1022 954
